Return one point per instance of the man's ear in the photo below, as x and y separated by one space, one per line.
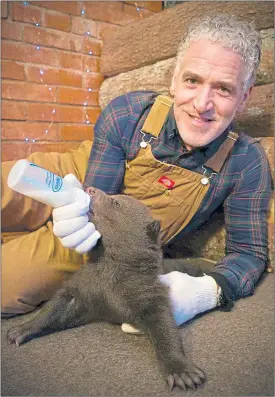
244 100
174 80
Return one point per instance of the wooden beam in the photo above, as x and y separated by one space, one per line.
157 37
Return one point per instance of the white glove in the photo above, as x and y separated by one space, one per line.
71 223
188 295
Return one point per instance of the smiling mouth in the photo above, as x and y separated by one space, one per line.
200 119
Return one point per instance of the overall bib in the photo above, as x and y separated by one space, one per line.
173 194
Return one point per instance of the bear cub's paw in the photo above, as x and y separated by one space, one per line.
187 376
19 334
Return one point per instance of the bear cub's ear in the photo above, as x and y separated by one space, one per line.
153 230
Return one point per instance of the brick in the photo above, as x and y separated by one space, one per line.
104 29
91 45
155 6
92 80
28 91
14 151
12 110
41 112
4 9
52 38
81 26
41 74
53 76
11 30
91 63
12 70
74 131
69 61
70 78
27 130
77 96
68 7
56 20
63 114
23 13
111 12
28 53
93 114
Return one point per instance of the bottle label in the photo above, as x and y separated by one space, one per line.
54 182
57 183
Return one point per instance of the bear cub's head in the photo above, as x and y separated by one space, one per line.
122 221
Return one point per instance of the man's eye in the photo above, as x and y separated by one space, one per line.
191 81
225 90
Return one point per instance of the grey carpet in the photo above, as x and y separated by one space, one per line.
236 350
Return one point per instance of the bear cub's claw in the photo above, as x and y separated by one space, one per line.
190 378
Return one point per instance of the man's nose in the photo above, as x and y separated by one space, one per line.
203 100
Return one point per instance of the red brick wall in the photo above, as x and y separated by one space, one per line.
50 70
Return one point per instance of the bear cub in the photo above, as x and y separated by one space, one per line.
120 284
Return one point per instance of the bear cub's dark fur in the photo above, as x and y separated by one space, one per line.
120 285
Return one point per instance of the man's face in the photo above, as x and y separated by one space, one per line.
208 91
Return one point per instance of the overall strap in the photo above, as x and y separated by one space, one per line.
157 115
217 160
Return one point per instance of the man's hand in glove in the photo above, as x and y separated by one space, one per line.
188 295
71 223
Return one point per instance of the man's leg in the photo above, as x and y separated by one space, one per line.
35 264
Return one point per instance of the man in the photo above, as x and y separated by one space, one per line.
181 158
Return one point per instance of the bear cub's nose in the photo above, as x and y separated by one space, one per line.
90 190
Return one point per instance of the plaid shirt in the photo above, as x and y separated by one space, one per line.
243 185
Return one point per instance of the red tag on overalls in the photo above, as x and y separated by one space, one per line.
166 182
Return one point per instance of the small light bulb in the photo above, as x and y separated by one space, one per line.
33 140
41 71
26 139
89 89
46 131
38 48
54 111
91 52
87 70
82 12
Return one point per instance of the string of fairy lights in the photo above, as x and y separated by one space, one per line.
43 73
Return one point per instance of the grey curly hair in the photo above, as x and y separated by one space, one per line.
239 36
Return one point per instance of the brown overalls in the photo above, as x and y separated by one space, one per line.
172 193
34 262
